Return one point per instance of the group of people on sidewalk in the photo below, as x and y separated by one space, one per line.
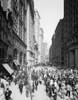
58 83
64 85
5 84
5 92
6 89
35 77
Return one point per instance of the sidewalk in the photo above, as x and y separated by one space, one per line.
65 97
16 94
40 94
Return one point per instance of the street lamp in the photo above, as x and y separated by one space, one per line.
29 78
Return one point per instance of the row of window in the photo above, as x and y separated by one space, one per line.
20 56
2 53
3 36
3 24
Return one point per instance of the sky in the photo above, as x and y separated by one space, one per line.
50 11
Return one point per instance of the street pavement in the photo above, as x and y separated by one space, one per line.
40 94
65 98
16 94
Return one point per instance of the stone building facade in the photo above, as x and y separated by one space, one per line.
71 31
41 37
17 16
4 36
30 33
36 32
18 9
45 53
57 48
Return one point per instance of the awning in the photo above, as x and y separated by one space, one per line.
8 68
16 62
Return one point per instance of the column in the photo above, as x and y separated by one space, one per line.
67 59
76 58
71 59
18 56
22 59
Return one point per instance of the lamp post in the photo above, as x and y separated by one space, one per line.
29 78
29 73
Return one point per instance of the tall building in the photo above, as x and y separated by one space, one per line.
50 55
40 57
57 49
30 33
45 53
36 32
71 30
4 35
17 11
5 46
70 41
37 25
19 30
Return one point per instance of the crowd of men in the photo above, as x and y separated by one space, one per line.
58 82
62 83
18 78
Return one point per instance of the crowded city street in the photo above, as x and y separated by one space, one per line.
46 83
38 49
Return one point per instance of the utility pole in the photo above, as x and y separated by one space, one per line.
29 78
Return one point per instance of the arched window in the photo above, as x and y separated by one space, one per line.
15 52
2 53
24 58
20 57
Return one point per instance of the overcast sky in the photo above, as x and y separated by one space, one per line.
51 11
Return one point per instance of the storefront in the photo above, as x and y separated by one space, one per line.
16 64
3 50
5 71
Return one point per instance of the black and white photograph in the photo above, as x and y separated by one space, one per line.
38 49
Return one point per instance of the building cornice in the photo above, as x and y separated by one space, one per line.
31 5
3 13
